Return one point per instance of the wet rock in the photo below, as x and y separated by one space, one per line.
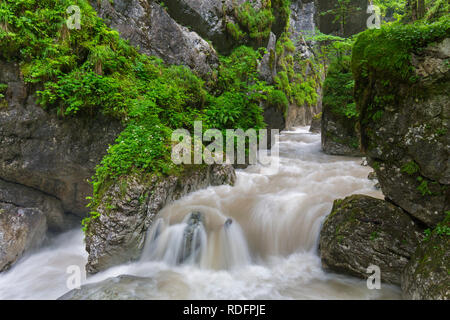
21 230
426 276
51 155
316 123
129 207
191 241
119 288
339 134
147 25
362 231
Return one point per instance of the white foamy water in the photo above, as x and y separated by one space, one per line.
256 240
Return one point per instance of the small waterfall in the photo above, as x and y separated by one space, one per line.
214 242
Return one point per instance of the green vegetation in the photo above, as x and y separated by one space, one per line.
91 71
341 12
410 168
442 229
339 83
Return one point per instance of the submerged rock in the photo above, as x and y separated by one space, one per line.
192 242
126 287
129 207
21 229
362 231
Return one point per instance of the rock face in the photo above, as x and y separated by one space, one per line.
339 134
363 231
23 197
129 207
21 229
316 123
147 25
427 277
407 138
40 151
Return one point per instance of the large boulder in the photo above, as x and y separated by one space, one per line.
148 26
41 151
362 231
129 206
21 229
405 124
427 275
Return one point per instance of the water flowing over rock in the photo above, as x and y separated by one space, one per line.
362 231
147 25
130 206
21 229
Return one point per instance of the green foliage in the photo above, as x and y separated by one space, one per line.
442 229
339 86
423 187
257 23
3 88
388 50
410 168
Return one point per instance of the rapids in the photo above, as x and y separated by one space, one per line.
255 240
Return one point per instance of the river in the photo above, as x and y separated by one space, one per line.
257 240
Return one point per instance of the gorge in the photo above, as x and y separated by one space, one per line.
87 182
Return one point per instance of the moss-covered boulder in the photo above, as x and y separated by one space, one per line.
362 231
402 76
427 275
125 209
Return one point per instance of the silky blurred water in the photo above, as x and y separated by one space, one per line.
269 251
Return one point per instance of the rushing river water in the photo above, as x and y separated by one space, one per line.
256 240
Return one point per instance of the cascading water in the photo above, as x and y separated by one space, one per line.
255 240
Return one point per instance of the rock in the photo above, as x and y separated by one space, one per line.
21 229
426 276
191 248
372 176
130 206
148 26
362 231
25 197
316 123
51 155
267 67
408 143
364 162
339 134
123 287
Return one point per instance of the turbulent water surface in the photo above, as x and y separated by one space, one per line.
256 240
